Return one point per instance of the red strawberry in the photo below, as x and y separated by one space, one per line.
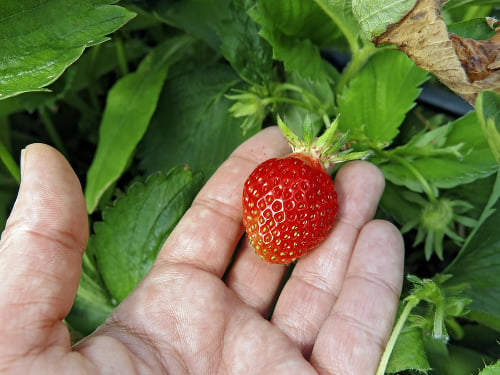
290 203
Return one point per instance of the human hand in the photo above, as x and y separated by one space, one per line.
191 313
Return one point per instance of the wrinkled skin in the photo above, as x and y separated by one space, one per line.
333 316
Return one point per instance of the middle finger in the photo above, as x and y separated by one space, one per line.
316 280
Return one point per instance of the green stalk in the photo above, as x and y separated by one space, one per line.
311 101
77 102
94 53
305 94
437 330
359 54
456 329
412 301
357 61
52 131
275 99
423 182
10 163
122 58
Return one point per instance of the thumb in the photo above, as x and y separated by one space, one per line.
40 254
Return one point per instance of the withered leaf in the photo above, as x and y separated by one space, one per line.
465 65
477 57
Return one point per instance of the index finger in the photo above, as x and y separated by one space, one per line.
210 230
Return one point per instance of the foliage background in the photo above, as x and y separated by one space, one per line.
147 98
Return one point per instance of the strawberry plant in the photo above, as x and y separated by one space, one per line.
147 98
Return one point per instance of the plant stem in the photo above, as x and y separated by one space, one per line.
412 301
275 99
94 53
309 97
423 182
456 328
10 163
78 103
300 90
122 59
358 59
437 331
51 130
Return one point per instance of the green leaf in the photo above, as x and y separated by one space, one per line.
448 156
319 97
226 27
451 4
40 39
491 370
340 12
464 361
409 352
130 105
477 193
437 354
92 303
375 16
396 203
488 113
192 125
478 265
247 52
95 62
477 29
301 19
299 55
298 52
196 17
296 30
481 339
373 107
132 232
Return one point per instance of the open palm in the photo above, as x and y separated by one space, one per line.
200 310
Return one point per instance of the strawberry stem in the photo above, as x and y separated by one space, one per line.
426 187
327 149
411 302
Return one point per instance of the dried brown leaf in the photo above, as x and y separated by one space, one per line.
475 56
466 66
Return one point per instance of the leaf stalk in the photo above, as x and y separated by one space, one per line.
10 163
52 131
421 179
411 302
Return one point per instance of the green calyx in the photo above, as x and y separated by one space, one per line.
329 149
437 220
